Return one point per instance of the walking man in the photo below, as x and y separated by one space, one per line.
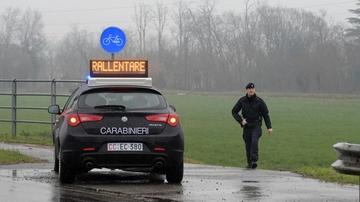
253 110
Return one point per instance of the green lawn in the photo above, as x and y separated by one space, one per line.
305 129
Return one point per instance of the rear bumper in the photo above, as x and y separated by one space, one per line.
75 157
144 161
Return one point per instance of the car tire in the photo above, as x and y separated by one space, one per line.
66 175
175 174
56 162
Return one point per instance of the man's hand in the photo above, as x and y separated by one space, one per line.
270 130
244 122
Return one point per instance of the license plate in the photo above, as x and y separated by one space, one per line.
124 146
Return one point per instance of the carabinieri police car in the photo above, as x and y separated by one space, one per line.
117 120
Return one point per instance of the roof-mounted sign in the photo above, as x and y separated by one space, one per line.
118 68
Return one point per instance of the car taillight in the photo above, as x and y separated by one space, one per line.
76 119
171 119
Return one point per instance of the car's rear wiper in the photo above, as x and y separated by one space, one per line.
122 107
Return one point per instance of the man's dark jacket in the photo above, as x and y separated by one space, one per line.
252 109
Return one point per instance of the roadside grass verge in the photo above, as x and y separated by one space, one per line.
305 129
327 175
15 157
29 139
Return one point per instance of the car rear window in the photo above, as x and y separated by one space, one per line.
126 98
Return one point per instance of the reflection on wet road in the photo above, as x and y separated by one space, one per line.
22 190
201 183
251 192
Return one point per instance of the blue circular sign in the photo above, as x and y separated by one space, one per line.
112 40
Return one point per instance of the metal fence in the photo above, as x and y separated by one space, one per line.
14 93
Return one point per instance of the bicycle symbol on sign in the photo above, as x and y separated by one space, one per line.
114 39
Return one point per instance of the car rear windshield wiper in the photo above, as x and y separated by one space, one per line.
122 107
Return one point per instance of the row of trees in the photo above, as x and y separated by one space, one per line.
195 48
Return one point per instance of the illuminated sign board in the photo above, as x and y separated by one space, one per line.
118 68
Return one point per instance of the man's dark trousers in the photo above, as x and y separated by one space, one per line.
251 137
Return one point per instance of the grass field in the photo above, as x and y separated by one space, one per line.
305 130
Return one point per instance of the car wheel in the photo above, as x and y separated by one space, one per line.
175 174
56 162
66 175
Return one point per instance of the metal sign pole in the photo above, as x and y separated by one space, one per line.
112 56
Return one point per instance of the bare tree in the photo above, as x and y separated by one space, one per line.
249 39
181 34
159 21
142 18
232 30
10 20
75 52
52 66
207 41
32 38
131 49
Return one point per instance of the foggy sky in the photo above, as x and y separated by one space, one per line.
95 15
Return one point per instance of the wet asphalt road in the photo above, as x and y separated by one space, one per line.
36 182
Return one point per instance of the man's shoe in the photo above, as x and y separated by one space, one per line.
248 166
253 165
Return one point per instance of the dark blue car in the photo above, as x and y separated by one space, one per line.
117 123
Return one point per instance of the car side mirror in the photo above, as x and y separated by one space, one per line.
54 109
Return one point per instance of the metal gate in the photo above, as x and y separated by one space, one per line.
13 92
